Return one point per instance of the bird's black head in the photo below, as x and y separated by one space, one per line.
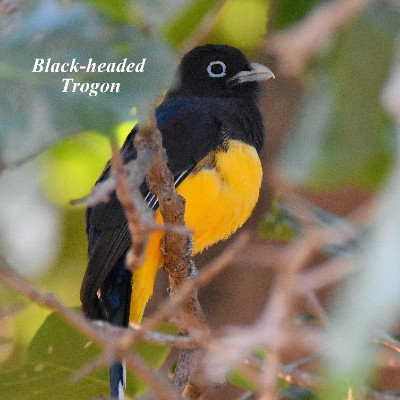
219 71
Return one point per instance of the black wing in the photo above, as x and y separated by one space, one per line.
190 131
108 240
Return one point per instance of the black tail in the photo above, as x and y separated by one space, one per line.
106 287
117 381
114 302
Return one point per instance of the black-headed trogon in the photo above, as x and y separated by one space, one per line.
213 133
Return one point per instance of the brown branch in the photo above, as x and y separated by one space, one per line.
172 208
155 382
128 336
187 364
178 265
177 262
298 44
88 368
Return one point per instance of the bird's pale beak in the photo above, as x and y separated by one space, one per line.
258 72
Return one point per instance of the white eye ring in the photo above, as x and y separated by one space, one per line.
221 74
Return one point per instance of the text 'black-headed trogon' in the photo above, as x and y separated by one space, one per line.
213 133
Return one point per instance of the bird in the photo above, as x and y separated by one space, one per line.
213 134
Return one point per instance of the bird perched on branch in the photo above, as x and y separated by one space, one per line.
213 134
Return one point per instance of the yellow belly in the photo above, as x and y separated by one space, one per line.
219 200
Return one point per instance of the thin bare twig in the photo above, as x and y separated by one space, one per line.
206 26
316 308
128 192
155 382
88 368
99 194
128 336
292 374
10 310
322 275
177 261
388 341
298 44
273 326
277 315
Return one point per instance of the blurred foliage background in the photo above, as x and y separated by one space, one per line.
327 130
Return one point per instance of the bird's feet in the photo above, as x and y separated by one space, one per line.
190 244
193 271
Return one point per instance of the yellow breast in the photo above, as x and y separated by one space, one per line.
219 199
220 195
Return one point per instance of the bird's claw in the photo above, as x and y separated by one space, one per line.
190 244
193 271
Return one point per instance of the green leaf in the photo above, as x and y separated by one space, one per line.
260 353
186 22
341 135
34 109
237 378
242 24
151 14
76 162
288 12
153 354
118 11
56 353
277 224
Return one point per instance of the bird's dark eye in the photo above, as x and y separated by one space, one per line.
216 69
